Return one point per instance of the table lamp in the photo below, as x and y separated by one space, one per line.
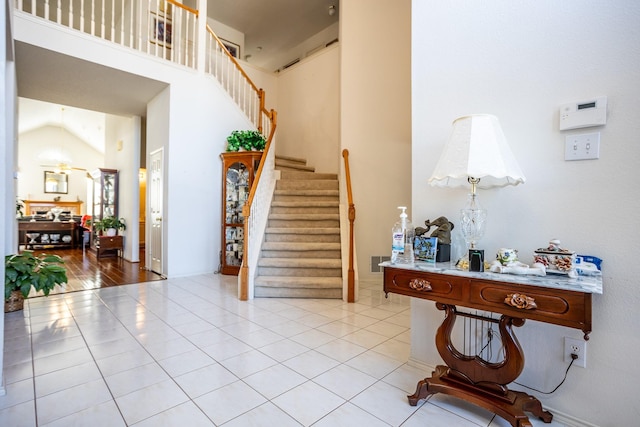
478 154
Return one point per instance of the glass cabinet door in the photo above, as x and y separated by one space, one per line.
237 183
105 197
238 173
109 194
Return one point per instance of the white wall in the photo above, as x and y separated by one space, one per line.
122 153
521 62
9 150
309 111
375 109
304 50
197 136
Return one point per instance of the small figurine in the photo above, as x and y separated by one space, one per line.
442 232
518 267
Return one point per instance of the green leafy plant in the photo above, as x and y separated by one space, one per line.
108 222
19 207
245 139
25 271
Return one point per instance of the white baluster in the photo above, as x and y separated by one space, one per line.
71 14
82 16
93 17
122 7
102 26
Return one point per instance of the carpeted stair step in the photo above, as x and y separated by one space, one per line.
299 282
307 184
284 292
299 195
286 175
300 267
304 220
300 250
303 206
288 164
313 234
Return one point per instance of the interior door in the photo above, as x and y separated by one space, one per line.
155 186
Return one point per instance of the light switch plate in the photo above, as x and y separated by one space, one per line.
584 146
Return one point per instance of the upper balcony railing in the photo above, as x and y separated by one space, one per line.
163 28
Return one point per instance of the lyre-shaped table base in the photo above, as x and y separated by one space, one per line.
478 381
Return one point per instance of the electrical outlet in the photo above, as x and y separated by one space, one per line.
577 347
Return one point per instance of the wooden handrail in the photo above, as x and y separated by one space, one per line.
351 297
224 49
181 6
260 92
252 192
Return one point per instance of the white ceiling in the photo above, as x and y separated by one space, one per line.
274 25
86 125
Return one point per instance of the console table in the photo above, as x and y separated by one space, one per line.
62 228
554 299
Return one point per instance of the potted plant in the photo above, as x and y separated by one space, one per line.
245 140
19 207
25 271
108 224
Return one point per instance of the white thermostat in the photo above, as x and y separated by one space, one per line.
584 114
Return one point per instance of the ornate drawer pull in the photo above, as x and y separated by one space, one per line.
520 301
420 285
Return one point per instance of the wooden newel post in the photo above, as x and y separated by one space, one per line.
244 268
351 297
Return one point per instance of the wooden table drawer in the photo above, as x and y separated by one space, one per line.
423 285
114 242
536 303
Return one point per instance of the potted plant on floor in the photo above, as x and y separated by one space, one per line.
26 271
109 225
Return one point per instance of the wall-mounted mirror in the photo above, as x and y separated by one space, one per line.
57 183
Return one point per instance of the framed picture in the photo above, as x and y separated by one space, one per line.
233 48
160 30
425 248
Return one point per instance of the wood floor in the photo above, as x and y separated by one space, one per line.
84 271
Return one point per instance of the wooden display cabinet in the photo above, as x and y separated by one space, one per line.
105 198
238 172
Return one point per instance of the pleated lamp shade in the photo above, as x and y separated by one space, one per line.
477 149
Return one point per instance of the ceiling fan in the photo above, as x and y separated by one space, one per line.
63 167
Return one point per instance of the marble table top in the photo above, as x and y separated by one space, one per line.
587 284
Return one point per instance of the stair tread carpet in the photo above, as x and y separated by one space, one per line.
302 282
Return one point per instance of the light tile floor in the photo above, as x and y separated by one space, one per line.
186 352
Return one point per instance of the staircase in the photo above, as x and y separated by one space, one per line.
300 255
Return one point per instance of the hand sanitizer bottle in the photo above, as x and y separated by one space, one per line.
402 243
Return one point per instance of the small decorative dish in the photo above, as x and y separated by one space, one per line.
555 259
